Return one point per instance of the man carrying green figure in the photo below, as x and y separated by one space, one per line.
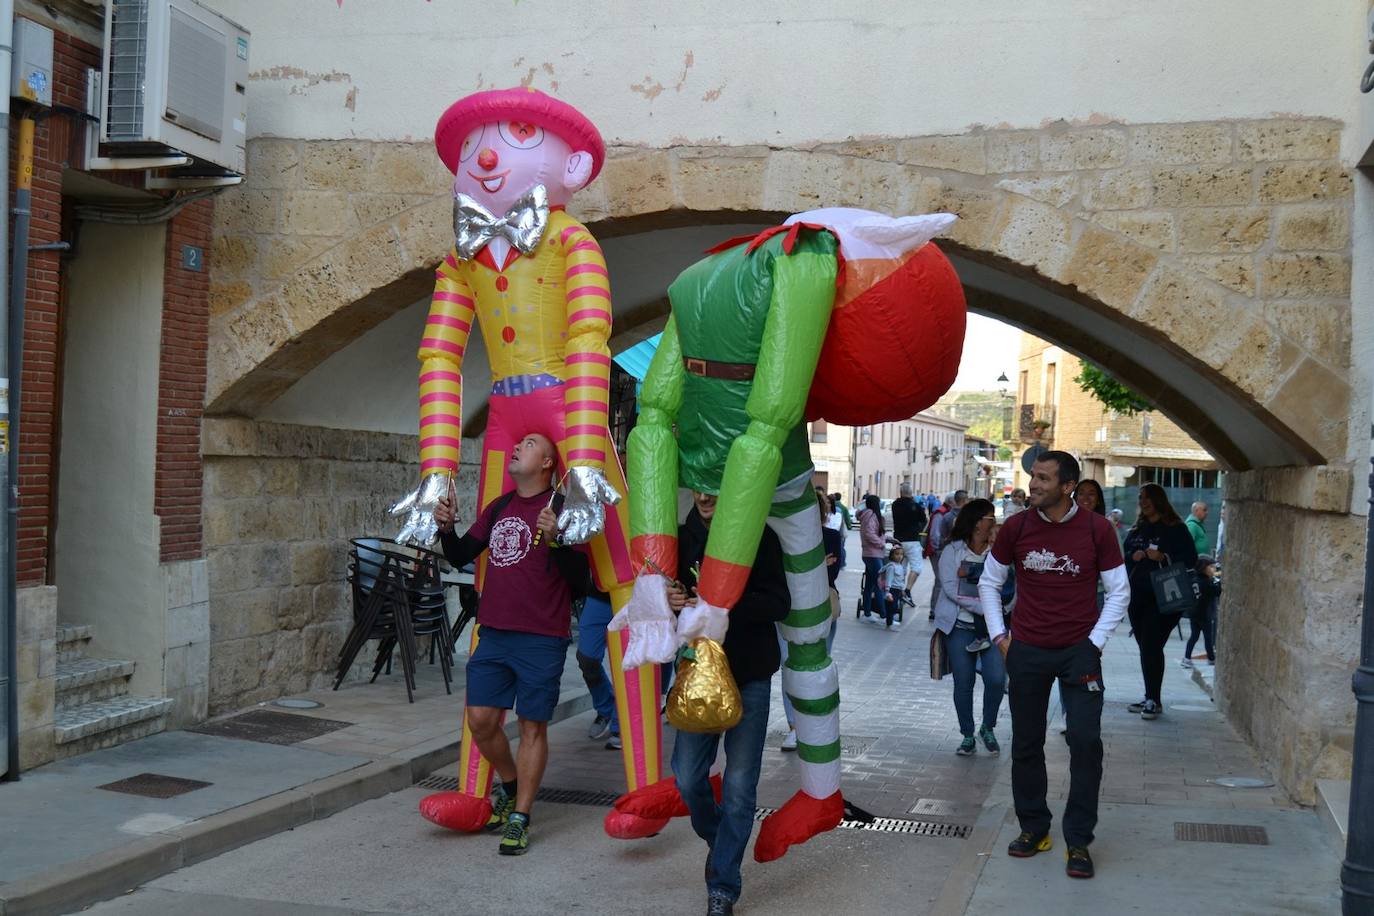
767 332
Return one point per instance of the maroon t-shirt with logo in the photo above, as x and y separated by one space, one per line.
1056 566
524 589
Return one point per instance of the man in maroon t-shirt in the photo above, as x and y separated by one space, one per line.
1059 554
525 618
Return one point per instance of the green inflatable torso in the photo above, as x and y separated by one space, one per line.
720 306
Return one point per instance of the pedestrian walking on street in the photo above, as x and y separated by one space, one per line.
1203 620
751 647
873 539
1059 553
1197 515
960 617
591 647
908 521
525 617
894 574
846 524
941 524
1158 539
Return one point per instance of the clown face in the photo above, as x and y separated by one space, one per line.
500 161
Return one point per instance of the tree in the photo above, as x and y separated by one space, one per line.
1112 394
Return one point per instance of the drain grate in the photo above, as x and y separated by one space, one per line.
606 799
1242 834
154 785
270 727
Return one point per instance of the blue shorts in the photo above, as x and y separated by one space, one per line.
521 670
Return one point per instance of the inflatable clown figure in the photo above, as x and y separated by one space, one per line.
535 280
765 333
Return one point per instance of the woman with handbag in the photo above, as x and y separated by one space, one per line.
1159 552
873 538
959 615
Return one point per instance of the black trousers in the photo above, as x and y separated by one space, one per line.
1031 672
1152 630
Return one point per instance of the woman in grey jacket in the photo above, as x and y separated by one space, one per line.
959 615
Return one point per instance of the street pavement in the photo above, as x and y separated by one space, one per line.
898 737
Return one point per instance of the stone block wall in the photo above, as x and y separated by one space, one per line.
186 666
1289 627
36 673
281 503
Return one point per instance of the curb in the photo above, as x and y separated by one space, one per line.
74 885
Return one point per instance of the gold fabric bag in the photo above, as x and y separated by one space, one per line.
704 698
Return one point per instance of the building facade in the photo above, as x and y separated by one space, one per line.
832 453
926 451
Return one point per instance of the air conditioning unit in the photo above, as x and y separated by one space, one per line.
174 81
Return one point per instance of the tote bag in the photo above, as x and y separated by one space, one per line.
939 656
1176 589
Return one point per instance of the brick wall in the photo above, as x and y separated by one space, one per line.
181 385
58 141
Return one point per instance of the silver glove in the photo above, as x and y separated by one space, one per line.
420 528
584 505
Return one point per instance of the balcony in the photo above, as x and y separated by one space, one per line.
1035 422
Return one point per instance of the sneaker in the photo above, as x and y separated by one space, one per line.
1150 710
716 905
968 747
1080 864
502 804
1137 707
978 645
789 743
989 741
516 839
1185 663
896 624
1027 845
613 743
601 727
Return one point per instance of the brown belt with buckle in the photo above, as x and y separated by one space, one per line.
730 372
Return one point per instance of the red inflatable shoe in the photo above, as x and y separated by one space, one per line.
621 825
796 822
456 811
659 801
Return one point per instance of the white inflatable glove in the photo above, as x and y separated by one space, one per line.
702 619
584 505
652 625
418 506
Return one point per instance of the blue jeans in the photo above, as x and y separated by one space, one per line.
726 826
591 646
782 644
873 595
963 665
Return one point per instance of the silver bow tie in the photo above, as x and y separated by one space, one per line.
523 225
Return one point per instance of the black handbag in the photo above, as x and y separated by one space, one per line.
1176 589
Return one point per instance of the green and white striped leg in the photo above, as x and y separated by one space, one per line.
808 676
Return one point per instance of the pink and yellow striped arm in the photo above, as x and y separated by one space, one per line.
451 313
587 356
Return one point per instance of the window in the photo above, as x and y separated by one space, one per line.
818 431
1024 386
1051 392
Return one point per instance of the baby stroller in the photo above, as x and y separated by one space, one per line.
897 615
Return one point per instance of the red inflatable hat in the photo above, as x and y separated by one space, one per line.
526 105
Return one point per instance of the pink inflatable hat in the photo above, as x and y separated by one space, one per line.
526 105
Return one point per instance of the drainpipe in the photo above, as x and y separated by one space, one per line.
1357 872
8 616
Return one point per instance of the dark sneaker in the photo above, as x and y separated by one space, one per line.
601 727
968 747
1150 710
717 905
502 805
1137 707
516 839
989 741
1027 845
614 743
1080 864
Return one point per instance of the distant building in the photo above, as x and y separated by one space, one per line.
926 451
1112 448
832 453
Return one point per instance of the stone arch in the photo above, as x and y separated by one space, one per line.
1093 238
